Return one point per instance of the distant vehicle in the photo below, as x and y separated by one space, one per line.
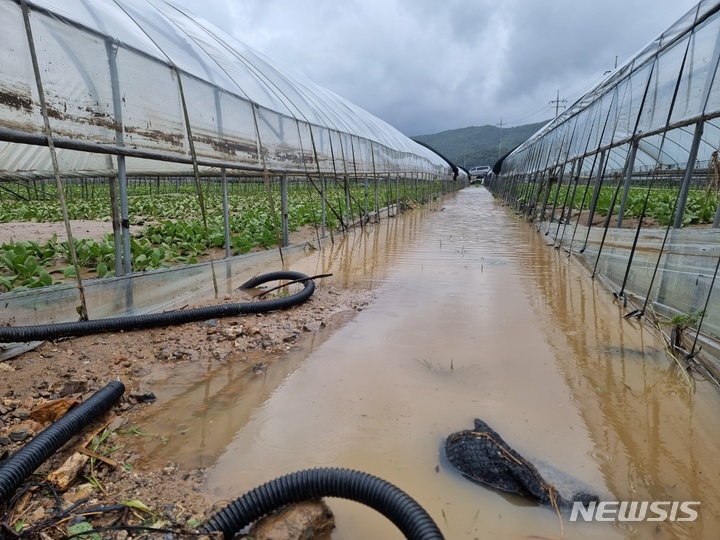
480 172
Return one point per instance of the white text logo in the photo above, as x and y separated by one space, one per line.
635 511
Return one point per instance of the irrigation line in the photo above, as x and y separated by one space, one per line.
291 282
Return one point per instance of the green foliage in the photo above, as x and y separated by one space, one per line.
23 265
475 146
682 321
78 529
660 206
174 232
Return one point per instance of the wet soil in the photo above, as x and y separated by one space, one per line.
165 494
42 232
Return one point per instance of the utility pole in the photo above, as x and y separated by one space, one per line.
610 70
500 147
557 103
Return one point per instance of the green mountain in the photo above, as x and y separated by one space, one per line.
474 146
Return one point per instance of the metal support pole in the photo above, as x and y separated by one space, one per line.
377 198
365 209
397 193
628 177
557 194
685 189
226 212
284 211
596 190
323 206
82 311
115 217
348 215
124 215
223 178
121 230
552 179
576 180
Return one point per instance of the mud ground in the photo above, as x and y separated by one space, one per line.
42 232
119 489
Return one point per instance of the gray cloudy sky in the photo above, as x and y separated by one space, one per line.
426 66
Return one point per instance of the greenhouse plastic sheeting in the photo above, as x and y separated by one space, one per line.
685 266
655 101
637 162
142 78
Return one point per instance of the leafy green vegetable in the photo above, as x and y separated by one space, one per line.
83 527
172 226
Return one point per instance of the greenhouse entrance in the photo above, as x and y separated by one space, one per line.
473 316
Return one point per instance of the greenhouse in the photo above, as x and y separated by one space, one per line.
106 102
221 282
627 178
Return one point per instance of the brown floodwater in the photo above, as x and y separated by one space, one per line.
474 317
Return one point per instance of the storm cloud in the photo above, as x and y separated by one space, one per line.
425 66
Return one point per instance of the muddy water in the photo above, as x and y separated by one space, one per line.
474 317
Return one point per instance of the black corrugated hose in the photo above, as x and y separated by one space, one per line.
23 462
13 334
390 501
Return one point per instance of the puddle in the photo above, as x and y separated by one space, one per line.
474 316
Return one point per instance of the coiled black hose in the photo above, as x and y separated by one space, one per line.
23 462
152 320
392 502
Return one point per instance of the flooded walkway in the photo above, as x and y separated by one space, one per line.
475 316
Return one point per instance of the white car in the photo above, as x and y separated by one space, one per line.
480 172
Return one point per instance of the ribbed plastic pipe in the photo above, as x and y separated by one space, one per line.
407 515
23 462
18 334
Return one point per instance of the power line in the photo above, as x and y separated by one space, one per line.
557 103
534 113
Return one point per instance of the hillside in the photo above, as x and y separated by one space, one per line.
473 146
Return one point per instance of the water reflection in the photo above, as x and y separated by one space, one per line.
474 317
